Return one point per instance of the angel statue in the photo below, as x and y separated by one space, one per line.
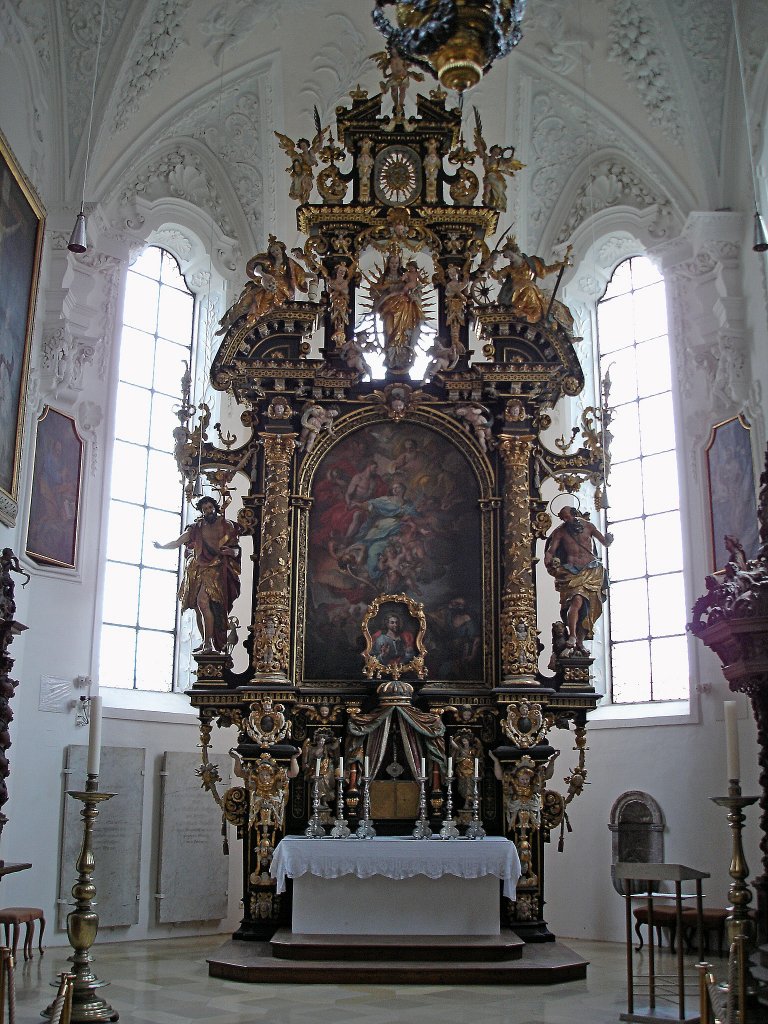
455 291
397 74
497 161
477 420
442 358
303 156
518 281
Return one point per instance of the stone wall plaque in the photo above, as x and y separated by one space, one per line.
193 872
116 835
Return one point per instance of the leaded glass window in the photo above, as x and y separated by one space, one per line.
138 635
648 612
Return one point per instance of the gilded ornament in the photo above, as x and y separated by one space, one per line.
525 724
266 723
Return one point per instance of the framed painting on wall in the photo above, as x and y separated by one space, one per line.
731 479
54 506
22 219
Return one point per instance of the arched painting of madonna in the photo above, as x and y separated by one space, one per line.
395 510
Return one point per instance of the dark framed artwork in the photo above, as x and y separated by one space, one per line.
393 629
54 506
395 510
731 480
22 219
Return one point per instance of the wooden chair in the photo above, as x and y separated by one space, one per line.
12 917
663 917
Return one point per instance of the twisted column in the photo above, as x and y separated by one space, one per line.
518 600
271 629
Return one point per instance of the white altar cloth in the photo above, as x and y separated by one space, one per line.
394 885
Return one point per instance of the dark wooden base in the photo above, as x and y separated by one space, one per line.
287 945
388 959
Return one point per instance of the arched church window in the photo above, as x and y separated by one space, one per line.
139 617
649 653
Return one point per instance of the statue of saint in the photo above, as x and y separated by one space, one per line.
303 157
397 298
570 557
274 280
211 580
518 281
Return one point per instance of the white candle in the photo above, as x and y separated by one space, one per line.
477 768
424 767
341 767
731 739
317 767
94 736
450 766
366 765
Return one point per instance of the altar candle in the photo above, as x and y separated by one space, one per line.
731 739
317 767
94 736
341 767
477 768
423 767
450 766
366 765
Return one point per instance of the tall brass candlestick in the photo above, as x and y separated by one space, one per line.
738 922
83 921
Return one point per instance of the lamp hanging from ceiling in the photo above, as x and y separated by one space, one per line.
457 41
760 238
78 241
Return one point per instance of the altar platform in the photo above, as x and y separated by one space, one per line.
405 960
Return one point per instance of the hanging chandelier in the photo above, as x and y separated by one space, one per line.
457 41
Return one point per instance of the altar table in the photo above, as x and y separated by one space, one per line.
392 885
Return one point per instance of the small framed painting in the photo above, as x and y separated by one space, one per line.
54 507
22 219
732 500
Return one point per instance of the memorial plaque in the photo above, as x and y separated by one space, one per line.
116 835
193 872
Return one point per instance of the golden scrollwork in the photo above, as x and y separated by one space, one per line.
234 804
271 622
394 649
525 724
518 612
266 724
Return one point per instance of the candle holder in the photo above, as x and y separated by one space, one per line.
475 828
738 924
422 829
365 829
314 829
83 921
340 828
448 829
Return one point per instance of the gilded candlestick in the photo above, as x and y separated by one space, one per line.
83 921
738 923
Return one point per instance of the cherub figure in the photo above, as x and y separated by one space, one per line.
477 420
442 358
397 75
497 161
303 155
352 354
314 419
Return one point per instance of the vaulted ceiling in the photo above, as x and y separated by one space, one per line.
607 101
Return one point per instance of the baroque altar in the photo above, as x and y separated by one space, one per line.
394 377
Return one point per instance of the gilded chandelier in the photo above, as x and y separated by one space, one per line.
457 41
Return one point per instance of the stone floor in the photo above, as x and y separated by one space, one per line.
166 982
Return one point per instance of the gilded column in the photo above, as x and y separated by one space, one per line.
518 600
271 628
